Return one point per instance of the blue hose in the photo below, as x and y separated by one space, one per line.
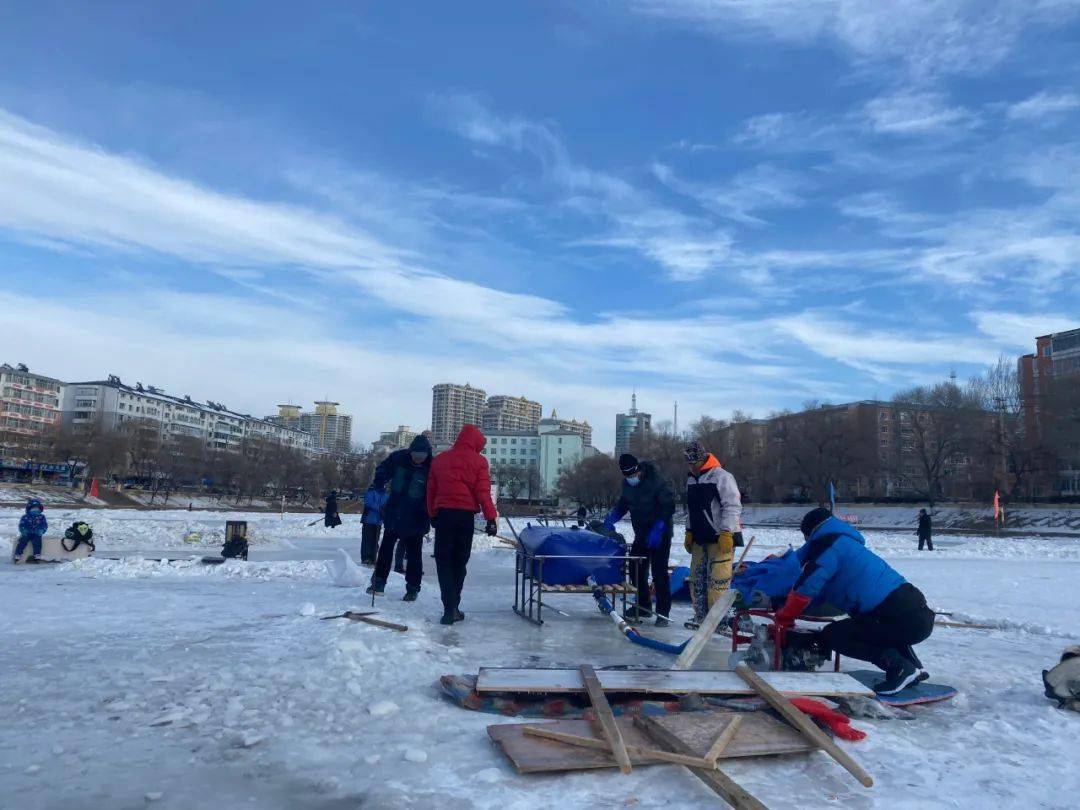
628 631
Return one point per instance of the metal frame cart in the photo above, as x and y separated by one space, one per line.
529 587
778 634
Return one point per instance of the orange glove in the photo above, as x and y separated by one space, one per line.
796 603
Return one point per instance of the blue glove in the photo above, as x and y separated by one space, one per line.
656 534
614 516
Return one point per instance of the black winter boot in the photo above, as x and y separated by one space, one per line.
447 618
410 596
900 673
458 615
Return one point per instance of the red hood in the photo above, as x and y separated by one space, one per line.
471 438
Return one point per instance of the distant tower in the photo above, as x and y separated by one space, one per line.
676 428
629 426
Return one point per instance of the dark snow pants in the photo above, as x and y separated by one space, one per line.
656 559
925 538
369 542
453 547
33 539
414 565
898 623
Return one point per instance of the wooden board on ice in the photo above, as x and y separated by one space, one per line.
759 735
665 682
52 550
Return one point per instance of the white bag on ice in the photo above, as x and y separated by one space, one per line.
344 572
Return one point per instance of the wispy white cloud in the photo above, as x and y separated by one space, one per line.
1043 105
763 187
686 247
941 37
908 113
1017 331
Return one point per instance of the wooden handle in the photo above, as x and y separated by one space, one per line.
697 642
606 717
726 736
803 723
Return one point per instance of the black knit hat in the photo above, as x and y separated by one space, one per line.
420 445
695 453
628 464
814 518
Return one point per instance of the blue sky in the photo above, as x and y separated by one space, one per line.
732 204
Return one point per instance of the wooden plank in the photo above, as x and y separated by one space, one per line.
605 716
536 755
602 745
745 551
722 741
760 734
666 681
704 634
722 784
804 724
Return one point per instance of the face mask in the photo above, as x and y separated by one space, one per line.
633 480
418 458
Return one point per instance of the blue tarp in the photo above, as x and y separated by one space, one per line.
680 584
606 568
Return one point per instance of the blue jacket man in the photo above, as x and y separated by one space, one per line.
404 474
32 526
887 614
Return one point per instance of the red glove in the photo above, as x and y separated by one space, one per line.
796 603
838 724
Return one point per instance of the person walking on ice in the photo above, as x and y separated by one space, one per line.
887 614
713 512
651 505
925 531
32 527
405 516
459 486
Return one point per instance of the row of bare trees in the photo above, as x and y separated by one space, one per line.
140 454
946 440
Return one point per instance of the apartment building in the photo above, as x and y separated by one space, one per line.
112 405
331 431
503 412
393 440
29 408
452 407
534 460
554 423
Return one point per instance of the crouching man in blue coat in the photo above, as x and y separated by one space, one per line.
887 614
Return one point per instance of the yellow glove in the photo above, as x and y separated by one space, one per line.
688 542
727 545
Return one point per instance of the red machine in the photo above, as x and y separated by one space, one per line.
778 635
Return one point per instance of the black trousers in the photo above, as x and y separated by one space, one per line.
656 559
369 542
898 623
453 547
414 559
925 538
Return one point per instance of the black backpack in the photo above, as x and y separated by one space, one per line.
75 535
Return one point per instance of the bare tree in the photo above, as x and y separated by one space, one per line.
594 482
936 425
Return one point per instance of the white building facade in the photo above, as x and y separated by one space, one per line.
532 457
111 405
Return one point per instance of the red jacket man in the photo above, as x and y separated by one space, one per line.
460 479
459 486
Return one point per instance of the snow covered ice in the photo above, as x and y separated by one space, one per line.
135 680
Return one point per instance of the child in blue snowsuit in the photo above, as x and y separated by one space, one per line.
887 614
32 526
